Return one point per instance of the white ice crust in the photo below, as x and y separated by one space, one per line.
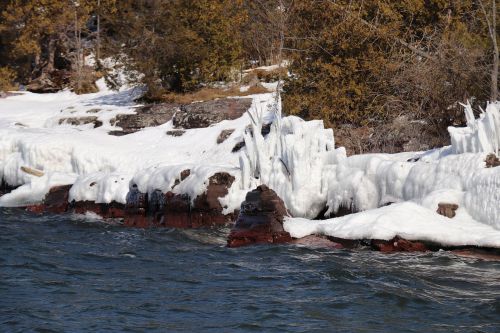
395 194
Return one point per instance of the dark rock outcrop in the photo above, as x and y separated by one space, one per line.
204 114
56 201
76 121
398 244
5 188
260 220
265 130
105 210
146 116
180 210
50 82
492 161
224 134
447 209
176 132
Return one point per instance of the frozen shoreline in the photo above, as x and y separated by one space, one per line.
297 159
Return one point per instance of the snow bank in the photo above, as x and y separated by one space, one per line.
407 220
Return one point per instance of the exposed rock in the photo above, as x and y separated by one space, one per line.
179 210
184 174
204 114
447 209
43 84
5 188
398 244
265 130
224 134
260 220
314 241
56 201
176 132
237 147
492 161
136 208
76 121
105 210
146 116
93 111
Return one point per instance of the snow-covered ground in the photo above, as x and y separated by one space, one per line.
298 159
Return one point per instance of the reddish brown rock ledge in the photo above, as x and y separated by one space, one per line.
180 210
260 220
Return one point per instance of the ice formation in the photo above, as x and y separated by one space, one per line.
297 159
480 135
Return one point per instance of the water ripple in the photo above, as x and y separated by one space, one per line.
65 273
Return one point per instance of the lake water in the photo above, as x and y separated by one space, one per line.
75 274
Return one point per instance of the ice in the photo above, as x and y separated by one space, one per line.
480 135
407 220
394 194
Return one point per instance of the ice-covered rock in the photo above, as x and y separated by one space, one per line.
480 135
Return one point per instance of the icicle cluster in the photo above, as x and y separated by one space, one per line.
480 135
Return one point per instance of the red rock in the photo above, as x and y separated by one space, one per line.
36 209
178 210
317 242
477 253
260 220
447 209
398 244
105 210
492 161
56 201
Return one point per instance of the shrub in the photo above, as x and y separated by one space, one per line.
7 79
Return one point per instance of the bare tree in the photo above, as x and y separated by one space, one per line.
492 29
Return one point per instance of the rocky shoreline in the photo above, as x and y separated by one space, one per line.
259 221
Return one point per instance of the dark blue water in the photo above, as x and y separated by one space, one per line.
68 274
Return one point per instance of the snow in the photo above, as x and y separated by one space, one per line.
480 135
407 220
297 159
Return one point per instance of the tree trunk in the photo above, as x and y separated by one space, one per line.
98 48
494 72
51 52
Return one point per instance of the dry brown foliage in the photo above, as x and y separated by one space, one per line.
210 93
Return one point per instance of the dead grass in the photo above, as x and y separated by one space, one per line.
208 94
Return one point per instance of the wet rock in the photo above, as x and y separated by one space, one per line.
5 188
204 211
260 220
224 134
105 210
76 121
492 161
176 132
184 174
204 114
180 210
56 201
146 116
398 244
136 209
314 241
447 209
486 254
